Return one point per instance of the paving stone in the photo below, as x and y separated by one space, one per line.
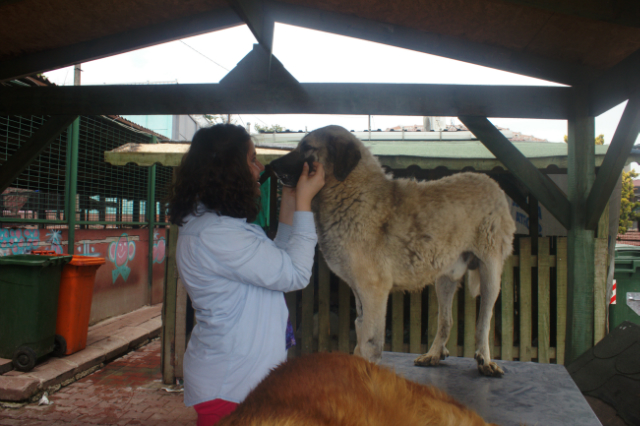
54 371
17 388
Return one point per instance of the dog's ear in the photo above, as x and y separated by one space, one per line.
343 156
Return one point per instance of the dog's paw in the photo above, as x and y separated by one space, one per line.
488 368
430 359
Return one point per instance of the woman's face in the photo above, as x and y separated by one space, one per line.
254 165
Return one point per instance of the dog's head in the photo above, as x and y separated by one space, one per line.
333 146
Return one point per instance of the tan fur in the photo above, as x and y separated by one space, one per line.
342 390
381 234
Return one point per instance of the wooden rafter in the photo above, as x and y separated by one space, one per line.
323 98
616 85
620 148
31 148
255 14
118 43
538 184
437 44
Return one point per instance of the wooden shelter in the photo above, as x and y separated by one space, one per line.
591 46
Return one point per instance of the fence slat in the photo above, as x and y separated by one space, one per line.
415 322
397 321
344 317
469 344
600 290
544 306
324 290
432 325
507 310
525 299
306 346
452 343
561 279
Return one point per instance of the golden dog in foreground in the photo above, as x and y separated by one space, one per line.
345 390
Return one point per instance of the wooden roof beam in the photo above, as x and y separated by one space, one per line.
614 161
33 147
118 43
322 98
616 85
255 14
436 44
539 185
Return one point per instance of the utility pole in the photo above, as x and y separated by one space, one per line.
369 127
228 118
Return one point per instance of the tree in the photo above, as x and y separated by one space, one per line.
628 205
270 129
599 139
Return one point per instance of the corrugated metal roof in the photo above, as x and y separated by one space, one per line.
396 155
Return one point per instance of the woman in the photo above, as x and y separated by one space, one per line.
234 275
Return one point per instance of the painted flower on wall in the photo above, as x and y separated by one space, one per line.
159 248
120 253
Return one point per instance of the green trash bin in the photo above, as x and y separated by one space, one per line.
29 286
627 276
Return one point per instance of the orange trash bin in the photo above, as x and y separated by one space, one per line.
74 304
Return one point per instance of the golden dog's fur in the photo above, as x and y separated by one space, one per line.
343 390
381 234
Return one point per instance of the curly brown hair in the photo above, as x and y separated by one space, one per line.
215 173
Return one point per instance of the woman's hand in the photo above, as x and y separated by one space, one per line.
309 184
287 205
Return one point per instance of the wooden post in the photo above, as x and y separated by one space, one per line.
432 325
581 245
561 295
169 309
507 310
544 306
452 343
415 322
469 346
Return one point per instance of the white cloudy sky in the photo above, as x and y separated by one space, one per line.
313 56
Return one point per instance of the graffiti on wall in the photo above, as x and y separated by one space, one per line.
18 241
54 238
86 249
120 253
159 248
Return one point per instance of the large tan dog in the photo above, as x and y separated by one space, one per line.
380 235
342 390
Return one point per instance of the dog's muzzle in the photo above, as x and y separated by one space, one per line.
289 168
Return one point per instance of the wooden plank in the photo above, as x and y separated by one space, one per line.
323 98
169 308
600 290
432 316
544 305
30 149
397 321
492 56
561 296
292 306
525 299
324 290
452 343
538 184
469 344
306 344
614 160
415 322
507 307
181 327
344 317
51 59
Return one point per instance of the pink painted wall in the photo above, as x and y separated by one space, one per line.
121 284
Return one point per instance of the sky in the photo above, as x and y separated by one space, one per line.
313 56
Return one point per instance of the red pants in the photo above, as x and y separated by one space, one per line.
210 412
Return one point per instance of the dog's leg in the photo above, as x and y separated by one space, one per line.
490 271
370 324
445 290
